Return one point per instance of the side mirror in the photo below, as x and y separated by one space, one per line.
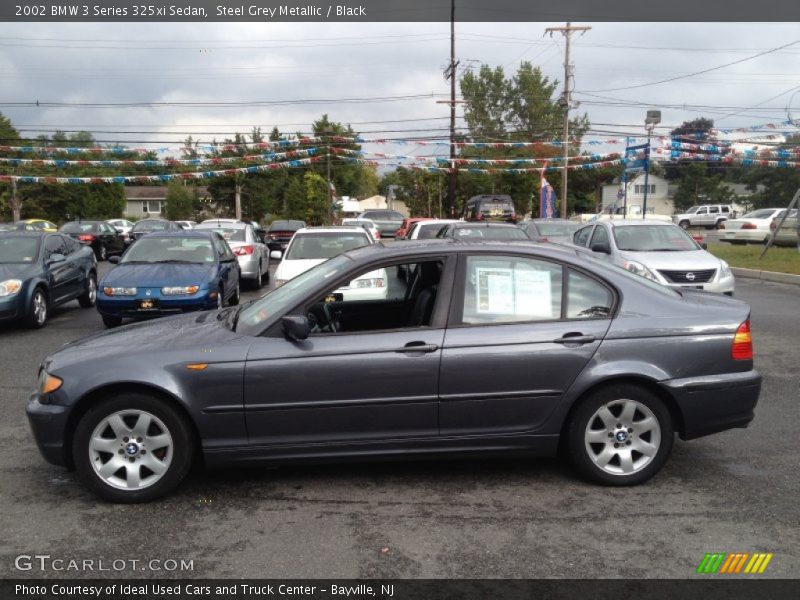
276 254
295 328
602 248
56 257
113 260
704 246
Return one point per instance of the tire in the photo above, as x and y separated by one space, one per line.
635 451
102 253
684 224
719 223
234 299
38 309
150 441
258 281
111 322
89 296
265 278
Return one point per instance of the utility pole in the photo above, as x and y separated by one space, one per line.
451 73
566 103
330 185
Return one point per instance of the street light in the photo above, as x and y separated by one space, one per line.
652 119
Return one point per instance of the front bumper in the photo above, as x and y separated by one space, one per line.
128 307
13 307
715 403
48 423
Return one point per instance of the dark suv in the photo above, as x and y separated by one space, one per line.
490 207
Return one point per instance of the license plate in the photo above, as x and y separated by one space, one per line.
148 304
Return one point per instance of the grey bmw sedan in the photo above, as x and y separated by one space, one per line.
502 348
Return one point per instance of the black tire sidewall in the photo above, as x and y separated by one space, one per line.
179 429
589 405
84 299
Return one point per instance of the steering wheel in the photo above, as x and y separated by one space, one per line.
330 316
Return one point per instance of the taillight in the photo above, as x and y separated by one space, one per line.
773 225
244 250
480 217
85 237
378 234
742 348
749 226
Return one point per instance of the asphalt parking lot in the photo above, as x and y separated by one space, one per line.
736 491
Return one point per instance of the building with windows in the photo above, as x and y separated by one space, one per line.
150 200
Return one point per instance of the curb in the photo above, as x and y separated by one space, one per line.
767 275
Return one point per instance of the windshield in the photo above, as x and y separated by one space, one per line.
231 234
556 229
294 291
691 210
170 249
150 226
653 238
78 227
308 246
18 250
491 233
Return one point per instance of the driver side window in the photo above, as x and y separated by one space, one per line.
393 297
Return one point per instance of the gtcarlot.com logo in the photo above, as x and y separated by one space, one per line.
734 563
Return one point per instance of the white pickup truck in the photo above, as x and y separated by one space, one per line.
634 212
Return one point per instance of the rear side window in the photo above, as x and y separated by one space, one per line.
501 289
587 298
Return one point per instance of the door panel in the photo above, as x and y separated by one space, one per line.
339 388
508 378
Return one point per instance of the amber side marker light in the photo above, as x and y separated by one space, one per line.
51 384
742 348
197 366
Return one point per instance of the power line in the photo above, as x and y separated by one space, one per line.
676 78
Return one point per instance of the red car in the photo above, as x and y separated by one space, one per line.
406 226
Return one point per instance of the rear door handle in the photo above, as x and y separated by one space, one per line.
575 338
418 347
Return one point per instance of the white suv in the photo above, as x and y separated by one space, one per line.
709 216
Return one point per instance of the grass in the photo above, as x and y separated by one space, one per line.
780 259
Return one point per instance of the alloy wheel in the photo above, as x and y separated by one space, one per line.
39 307
131 449
92 289
622 437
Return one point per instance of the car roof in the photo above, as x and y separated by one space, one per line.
183 233
229 224
543 220
22 233
638 222
474 224
332 229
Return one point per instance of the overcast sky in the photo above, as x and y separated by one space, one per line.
207 62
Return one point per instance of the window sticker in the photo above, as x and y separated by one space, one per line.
505 291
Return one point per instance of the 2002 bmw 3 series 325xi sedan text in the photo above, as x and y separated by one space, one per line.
481 348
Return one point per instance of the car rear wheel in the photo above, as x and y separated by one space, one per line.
110 322
39 309
102 253
89 296
132 448
620 435
259 279
234 299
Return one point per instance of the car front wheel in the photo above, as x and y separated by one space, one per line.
684 224
38 310
620 435
132 448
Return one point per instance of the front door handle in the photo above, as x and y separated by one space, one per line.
574 338
418 347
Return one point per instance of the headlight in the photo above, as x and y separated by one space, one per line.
9 287
280 282
119 291
185 290
639 269
725 271
369 283
48 383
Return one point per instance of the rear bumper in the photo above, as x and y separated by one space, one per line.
716 402
48 423
249 267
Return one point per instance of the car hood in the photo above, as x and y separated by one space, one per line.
21 271
289 269
147 338
158 275
690 260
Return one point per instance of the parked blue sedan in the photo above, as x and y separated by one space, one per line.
169 273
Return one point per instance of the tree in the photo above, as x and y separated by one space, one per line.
181 202
9 192
317 202
698 186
